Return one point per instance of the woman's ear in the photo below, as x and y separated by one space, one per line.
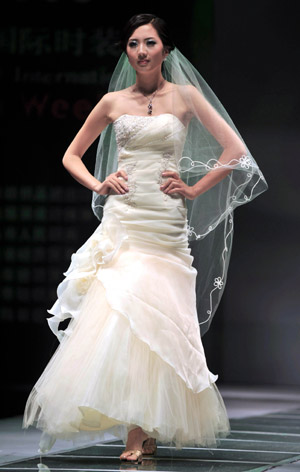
166 53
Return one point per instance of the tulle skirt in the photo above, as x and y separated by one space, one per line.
132 353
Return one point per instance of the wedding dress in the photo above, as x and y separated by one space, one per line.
132 352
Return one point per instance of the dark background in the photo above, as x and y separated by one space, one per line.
56 60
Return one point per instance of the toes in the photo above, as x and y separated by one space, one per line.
124 455
130 456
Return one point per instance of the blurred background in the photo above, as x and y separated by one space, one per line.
56 60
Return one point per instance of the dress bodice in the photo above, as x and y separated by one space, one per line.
163 133
147 146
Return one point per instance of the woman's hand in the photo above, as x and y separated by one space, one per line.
175 185
113 182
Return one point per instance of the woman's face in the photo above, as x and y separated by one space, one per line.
145 49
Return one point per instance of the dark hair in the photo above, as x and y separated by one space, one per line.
144 19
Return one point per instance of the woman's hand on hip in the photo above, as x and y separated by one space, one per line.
113 182
174 184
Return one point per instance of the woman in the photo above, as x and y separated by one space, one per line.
131 361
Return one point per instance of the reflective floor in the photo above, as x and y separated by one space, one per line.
265 435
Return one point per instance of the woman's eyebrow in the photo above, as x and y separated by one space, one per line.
145 39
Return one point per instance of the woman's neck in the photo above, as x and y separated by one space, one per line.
148 83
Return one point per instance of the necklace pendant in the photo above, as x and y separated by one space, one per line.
151 98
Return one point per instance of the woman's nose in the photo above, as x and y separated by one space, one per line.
141 49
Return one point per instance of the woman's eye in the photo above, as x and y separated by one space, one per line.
151 42
132 44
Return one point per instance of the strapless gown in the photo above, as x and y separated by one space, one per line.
132 352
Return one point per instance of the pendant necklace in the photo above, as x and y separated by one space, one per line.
150 107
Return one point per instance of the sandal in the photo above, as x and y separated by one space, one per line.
149 446
137 452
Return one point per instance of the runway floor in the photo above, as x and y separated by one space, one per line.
265 435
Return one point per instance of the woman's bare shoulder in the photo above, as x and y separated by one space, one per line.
111 97
184 88
115 102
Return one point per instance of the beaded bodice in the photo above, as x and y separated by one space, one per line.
148 146
154 132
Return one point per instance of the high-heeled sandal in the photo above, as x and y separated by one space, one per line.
137 452
150 445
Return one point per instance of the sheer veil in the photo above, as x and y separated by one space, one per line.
210 215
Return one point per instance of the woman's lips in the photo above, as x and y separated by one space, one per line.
143 62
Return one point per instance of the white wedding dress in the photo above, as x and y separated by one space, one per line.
132 352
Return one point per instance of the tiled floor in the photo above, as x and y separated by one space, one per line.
265 435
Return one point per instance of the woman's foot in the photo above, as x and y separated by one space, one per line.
134 445
149 446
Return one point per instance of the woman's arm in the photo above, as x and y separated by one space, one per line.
95 123
233 146
233 149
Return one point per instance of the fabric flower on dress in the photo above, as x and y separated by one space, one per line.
98 250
